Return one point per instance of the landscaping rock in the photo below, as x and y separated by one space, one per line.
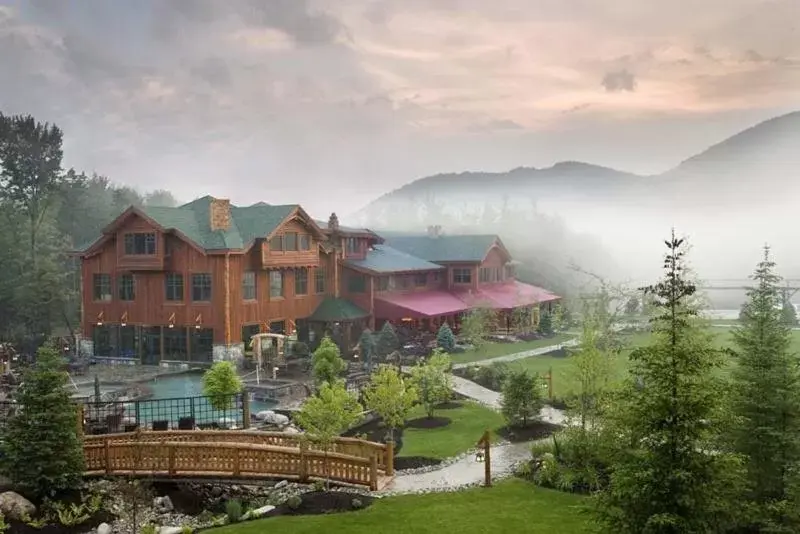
103 528
272 418
259 512
163 505
15 506
170 530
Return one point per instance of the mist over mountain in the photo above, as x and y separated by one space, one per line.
729 199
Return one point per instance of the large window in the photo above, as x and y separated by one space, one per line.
276 243
319 280
290 241
352 246
420 279
201 287
202 345
248 331
249 285
490 274
175 347
140 244
150 345
383 283
356 283
301 282
104 339
462 276
275 284
101 287
173 287
128 342
127 287
305 242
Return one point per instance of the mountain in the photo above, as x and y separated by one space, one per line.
758 164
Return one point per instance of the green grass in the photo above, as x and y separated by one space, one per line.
467 423
510 506
495 350
562 367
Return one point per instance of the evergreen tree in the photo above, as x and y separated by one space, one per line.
546 324
522 398
445 338
327 364
367 344
42 452
387 341
668 475
788 314
766 398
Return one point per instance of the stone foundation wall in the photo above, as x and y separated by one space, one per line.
231 353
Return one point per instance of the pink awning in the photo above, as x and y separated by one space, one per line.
417 305
506 296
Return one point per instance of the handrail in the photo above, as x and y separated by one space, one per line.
201 453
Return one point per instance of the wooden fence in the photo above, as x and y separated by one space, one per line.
237 454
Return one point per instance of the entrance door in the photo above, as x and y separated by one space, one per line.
151 345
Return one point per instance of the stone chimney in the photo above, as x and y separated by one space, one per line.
219 213
434 231
333 223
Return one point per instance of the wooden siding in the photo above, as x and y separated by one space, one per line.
154 262
433 280
271 259
362 300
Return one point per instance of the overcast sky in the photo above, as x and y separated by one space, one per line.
331 103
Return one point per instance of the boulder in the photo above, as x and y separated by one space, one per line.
163 505
103 528
273 418
170 530
15 506
258 512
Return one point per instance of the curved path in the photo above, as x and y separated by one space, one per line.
466 471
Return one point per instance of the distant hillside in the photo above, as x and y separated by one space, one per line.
761 163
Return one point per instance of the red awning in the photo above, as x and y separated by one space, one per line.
507 295
417 305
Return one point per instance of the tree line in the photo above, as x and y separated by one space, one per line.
46 211
695 437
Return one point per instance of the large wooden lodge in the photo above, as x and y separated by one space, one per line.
191 284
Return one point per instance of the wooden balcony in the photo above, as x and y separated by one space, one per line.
288 259
151 262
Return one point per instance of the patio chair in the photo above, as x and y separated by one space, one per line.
186 423
160 426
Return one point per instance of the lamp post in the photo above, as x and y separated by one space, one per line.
275 373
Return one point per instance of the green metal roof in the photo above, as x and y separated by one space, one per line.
333 309
193 221
385 259
443 248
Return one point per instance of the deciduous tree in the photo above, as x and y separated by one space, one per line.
432 380
327 364
391 397
221 383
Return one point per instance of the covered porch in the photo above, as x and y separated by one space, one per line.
518 305
423 311
338 318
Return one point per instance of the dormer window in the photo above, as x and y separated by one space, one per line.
352 245
276 243
140 244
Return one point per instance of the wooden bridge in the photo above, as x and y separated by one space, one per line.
237 455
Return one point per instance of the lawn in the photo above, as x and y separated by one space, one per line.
468 422
562 367
495 350
510 506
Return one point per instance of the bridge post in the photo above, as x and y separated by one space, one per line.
81 416
373 473
245 409
390 458
107 450
302 469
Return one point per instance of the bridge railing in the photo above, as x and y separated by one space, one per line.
383 453
121 455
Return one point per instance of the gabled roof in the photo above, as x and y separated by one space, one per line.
385 259
443 248
192 222
366 232
333 309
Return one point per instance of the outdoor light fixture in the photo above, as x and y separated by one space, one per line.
479 457
274 373
124 320
100 319
172 320
198 321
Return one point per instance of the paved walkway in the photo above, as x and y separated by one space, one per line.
518 355
492 399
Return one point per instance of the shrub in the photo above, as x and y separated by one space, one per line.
294 502
574 460
546 324
42 452
220 383
327 364
319 485
445 339
233 509
357 504
490 376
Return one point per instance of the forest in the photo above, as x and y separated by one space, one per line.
46 212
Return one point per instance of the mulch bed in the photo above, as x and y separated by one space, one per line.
450 405
536 430
185 499
402 463
323 502
428 423
101 516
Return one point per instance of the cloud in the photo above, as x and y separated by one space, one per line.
217 96
621 80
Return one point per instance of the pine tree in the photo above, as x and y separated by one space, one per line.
667 475
546 324
43 454
766 396
387 341
445 339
